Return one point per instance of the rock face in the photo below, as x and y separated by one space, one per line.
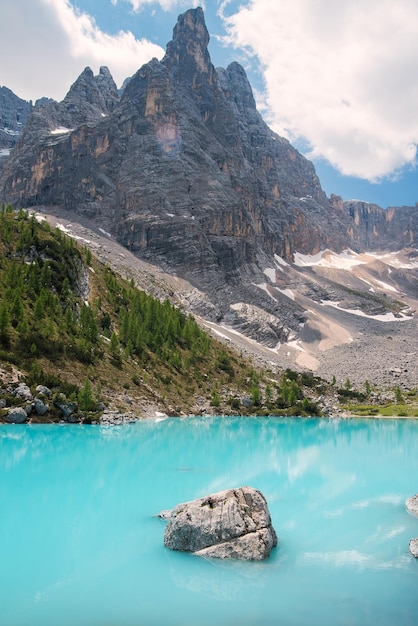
374 228
14 113
233 524
182 170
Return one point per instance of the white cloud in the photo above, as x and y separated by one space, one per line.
166 5
341 75
47 44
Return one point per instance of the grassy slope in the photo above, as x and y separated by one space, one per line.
65 317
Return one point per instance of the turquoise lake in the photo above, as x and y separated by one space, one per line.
80 544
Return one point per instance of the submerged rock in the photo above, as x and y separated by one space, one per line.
234 524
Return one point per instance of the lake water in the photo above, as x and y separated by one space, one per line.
80 544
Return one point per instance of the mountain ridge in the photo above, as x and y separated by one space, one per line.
182 170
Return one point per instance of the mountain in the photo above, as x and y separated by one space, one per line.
182 170
14 113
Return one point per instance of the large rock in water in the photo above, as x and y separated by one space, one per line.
233 524
413 547
412 505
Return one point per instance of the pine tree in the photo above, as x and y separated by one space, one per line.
85 396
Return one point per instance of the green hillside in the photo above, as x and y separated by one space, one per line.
70 323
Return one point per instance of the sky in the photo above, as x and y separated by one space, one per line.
338 79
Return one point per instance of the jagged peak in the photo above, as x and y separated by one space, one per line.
86 78
235 84
187 52
192 24
99 91
105 72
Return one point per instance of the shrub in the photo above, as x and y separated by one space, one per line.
215 399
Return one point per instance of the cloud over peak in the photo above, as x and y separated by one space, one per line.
341 76
59 42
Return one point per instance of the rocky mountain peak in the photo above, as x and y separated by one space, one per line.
234 81
95 94
187 53
191 25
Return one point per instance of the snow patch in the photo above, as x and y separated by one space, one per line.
68 232
63 229
386 317
61 130
4 152
326 258
11 132
270 272
386 286
287 292
392 259
221 331
295 345
264 287
105 233
280 263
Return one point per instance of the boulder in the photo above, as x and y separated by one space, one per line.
40 407
16 415
67 408
412 505
234 524
44 391
23 392
413 547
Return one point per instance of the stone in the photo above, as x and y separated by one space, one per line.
234 524
74 418
23 392
412 505
67 408
44 391
40 407
413 547
16 415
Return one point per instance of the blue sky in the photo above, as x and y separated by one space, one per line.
339 80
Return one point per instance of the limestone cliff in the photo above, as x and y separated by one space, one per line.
13 116
183 171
